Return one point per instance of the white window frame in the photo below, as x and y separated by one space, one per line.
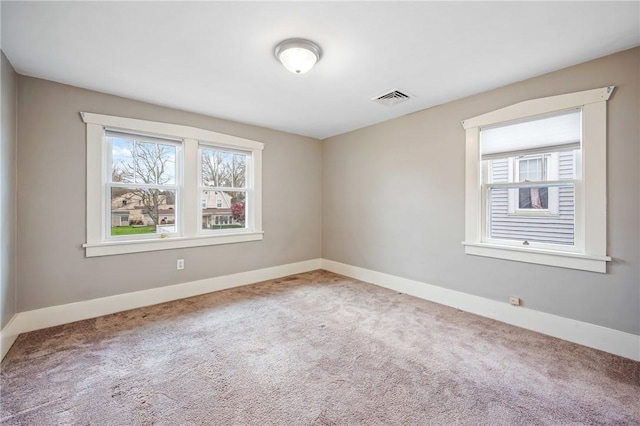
177 187
590 248
98 243
247 189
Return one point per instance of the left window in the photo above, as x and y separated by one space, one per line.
145 187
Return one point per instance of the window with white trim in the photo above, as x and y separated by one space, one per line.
155 186
144 180
536 182
518 160
223 185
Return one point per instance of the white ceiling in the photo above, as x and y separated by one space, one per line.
216 58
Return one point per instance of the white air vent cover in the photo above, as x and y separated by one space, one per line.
392 98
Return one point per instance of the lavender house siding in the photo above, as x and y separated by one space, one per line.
557 229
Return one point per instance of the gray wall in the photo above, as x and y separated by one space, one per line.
393 201
51 204
8 139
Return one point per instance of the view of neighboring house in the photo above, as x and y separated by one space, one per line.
541 214
217 210
128 209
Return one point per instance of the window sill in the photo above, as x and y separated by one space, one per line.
123 247
543 213
560 259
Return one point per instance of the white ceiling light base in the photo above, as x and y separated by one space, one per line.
298 55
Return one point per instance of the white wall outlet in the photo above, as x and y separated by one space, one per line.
515 301
180 264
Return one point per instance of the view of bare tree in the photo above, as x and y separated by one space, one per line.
140 164
238 170
212 168
224 169
150 163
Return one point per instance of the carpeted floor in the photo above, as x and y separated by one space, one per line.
310 349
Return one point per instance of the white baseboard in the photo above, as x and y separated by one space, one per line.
8 336
594 336
62 314
591 335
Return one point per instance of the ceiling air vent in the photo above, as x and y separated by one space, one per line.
391 98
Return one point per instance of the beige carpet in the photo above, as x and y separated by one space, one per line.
314 348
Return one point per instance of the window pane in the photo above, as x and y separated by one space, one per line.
121 160
552 229
540 132
223 209
147 211
135 161
223 169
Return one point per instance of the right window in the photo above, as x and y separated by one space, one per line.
529 178
536 181
223 188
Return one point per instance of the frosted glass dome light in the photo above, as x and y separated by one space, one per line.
298 55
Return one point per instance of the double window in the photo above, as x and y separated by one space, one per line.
154 186
536 182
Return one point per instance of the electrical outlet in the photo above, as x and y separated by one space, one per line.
180 264
515 301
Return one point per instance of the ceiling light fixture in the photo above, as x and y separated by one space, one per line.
298 55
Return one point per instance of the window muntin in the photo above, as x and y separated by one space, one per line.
143 180
225 195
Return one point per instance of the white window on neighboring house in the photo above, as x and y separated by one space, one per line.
536 182
218 203
158 167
